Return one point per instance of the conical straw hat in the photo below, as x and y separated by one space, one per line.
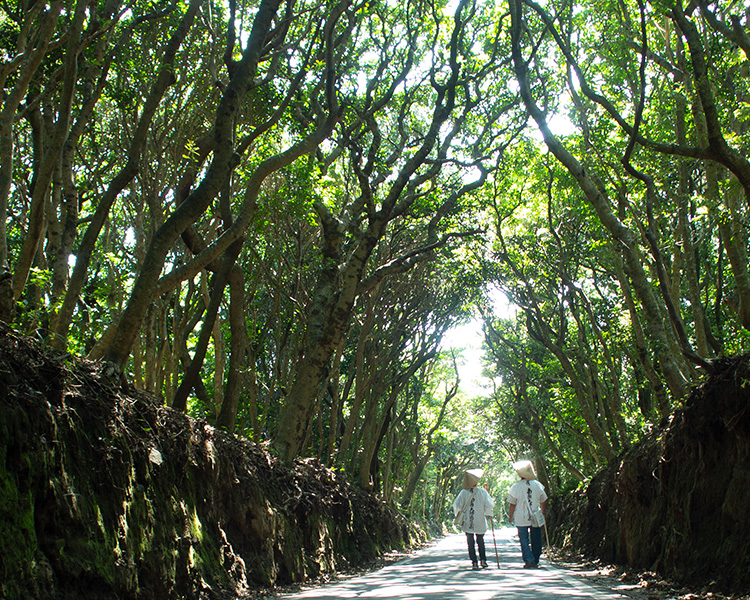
471 478
525 469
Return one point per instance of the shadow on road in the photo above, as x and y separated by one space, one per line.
443 571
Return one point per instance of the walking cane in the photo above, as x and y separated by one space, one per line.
495 542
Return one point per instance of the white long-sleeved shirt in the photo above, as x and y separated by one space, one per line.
523 490
473 519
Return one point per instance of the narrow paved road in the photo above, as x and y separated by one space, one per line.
442 571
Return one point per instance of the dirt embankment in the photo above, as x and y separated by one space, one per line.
678 503
107 495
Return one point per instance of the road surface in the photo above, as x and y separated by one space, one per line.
442 571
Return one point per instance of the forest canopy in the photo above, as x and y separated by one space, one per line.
269 215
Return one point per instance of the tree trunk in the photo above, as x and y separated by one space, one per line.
641 350
334 421
23 68
227 418
374 428
52 152
218 283
331 307
411 487
361 383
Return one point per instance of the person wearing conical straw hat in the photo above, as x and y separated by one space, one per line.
527 502
471 507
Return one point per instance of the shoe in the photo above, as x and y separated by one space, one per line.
484 564
528 565
474 566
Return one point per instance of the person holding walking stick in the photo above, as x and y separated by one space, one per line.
527 503
471 507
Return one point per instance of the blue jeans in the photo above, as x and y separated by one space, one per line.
531 550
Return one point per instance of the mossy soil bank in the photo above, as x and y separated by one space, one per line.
111 495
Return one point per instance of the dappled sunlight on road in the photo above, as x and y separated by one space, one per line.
443 571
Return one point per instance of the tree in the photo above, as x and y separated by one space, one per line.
395 172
